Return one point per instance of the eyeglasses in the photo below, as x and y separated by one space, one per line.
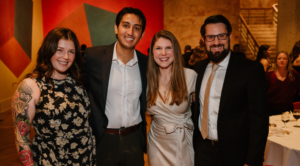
222 36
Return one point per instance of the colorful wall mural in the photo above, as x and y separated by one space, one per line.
93 20
15 40
24 24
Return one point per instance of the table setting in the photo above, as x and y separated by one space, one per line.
283 144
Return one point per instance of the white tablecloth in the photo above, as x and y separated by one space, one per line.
283 151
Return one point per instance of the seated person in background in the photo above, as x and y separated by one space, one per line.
187 54
283 84
199 53
295 56
236 51
263 56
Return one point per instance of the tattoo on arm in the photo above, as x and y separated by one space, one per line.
21 119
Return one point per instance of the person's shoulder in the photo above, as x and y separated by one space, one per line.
264 61
190 74
187 54
269 73
188 71
296 73
29 84
201 62
100 48
30 81
141 55
243 60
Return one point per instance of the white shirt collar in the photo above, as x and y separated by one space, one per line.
132 62
222 64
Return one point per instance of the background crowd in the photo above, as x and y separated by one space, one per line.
282 75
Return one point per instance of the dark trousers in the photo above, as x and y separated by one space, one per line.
115 150
207 154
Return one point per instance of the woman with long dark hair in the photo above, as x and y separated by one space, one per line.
168 100
53 100
263 56
283 84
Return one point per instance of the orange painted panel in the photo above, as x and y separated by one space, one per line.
7 17
14 57
77 22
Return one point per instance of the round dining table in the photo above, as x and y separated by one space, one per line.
283 149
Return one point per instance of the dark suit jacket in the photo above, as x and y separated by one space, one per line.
243 121
98 62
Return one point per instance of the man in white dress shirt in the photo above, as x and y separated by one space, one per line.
116 82
231 114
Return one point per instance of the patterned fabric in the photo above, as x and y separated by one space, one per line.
63 135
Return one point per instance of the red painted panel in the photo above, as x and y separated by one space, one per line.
15 57
7 17
77 22
55 11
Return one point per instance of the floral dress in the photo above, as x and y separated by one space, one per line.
63 134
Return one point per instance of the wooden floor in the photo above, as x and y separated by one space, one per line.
8 152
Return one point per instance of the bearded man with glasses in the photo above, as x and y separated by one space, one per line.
231 114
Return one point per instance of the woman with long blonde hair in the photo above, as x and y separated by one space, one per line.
283 85
168 101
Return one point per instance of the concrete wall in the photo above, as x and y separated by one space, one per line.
288 29
257 3
184 18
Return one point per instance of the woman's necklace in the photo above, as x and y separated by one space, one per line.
166 95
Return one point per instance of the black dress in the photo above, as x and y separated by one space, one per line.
63 135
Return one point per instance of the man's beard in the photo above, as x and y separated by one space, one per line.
217 56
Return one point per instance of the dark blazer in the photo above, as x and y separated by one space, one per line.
98 62
243 120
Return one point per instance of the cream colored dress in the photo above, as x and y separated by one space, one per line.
170 136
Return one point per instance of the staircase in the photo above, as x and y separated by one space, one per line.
265 34
258 26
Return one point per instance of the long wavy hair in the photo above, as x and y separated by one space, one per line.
44 67
199 53
178 87
296 50
289 66
261 52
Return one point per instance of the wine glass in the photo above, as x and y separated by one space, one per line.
296 115
285 117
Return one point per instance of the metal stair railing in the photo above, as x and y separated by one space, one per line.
257 15
246 34
275 14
